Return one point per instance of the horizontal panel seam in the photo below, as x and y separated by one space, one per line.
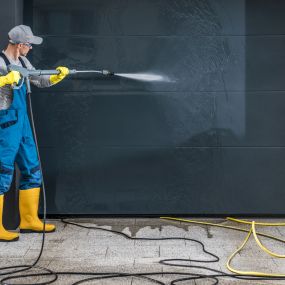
171 147
161 36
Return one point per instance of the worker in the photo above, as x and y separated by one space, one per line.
17 143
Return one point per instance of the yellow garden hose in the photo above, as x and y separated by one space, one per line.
258 224
262 246
251 231
222 226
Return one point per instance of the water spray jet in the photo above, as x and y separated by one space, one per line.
149 77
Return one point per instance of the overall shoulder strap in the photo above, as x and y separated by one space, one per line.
7 62
2 54
22 62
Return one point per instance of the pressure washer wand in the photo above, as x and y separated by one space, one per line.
27 73
103 72
71 71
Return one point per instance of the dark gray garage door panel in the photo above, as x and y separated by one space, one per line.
207 140
164 180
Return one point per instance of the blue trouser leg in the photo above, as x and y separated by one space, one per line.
10 136
6 176
27 159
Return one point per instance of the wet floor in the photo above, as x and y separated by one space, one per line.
72 248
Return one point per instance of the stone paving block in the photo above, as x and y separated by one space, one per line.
117 281
147 242
118 251
19 261
196 232
148 232
174 251
104 221
147 265
146 251
3 246
177 242
74 232
172 231
92 265
115 261
132 251
113 242
138 281
148 222
10 252
70 279
99 235
68 253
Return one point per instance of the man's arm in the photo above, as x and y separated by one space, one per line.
5 85
39 81
47 80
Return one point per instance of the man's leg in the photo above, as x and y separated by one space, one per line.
30 183
9 144
6 175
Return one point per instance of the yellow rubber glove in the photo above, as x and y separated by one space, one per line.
11 78
64 71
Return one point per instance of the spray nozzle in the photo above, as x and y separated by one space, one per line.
107 72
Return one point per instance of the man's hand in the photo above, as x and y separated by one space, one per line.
13 77
64 71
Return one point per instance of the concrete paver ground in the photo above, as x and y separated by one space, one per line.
76 249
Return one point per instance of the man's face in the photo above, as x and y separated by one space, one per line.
24 48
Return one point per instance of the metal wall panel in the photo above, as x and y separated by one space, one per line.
208 140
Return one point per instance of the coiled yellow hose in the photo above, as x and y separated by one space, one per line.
251 231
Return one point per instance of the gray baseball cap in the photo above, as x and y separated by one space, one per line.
23 34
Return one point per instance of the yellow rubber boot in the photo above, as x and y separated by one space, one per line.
5 235
28 205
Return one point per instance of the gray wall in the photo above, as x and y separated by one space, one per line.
208 141
11 15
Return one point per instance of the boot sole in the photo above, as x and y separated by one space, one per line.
4 240
23 231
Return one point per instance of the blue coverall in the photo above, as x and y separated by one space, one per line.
17 145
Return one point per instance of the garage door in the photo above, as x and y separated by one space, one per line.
206 137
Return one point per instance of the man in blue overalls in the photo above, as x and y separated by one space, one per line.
17 144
